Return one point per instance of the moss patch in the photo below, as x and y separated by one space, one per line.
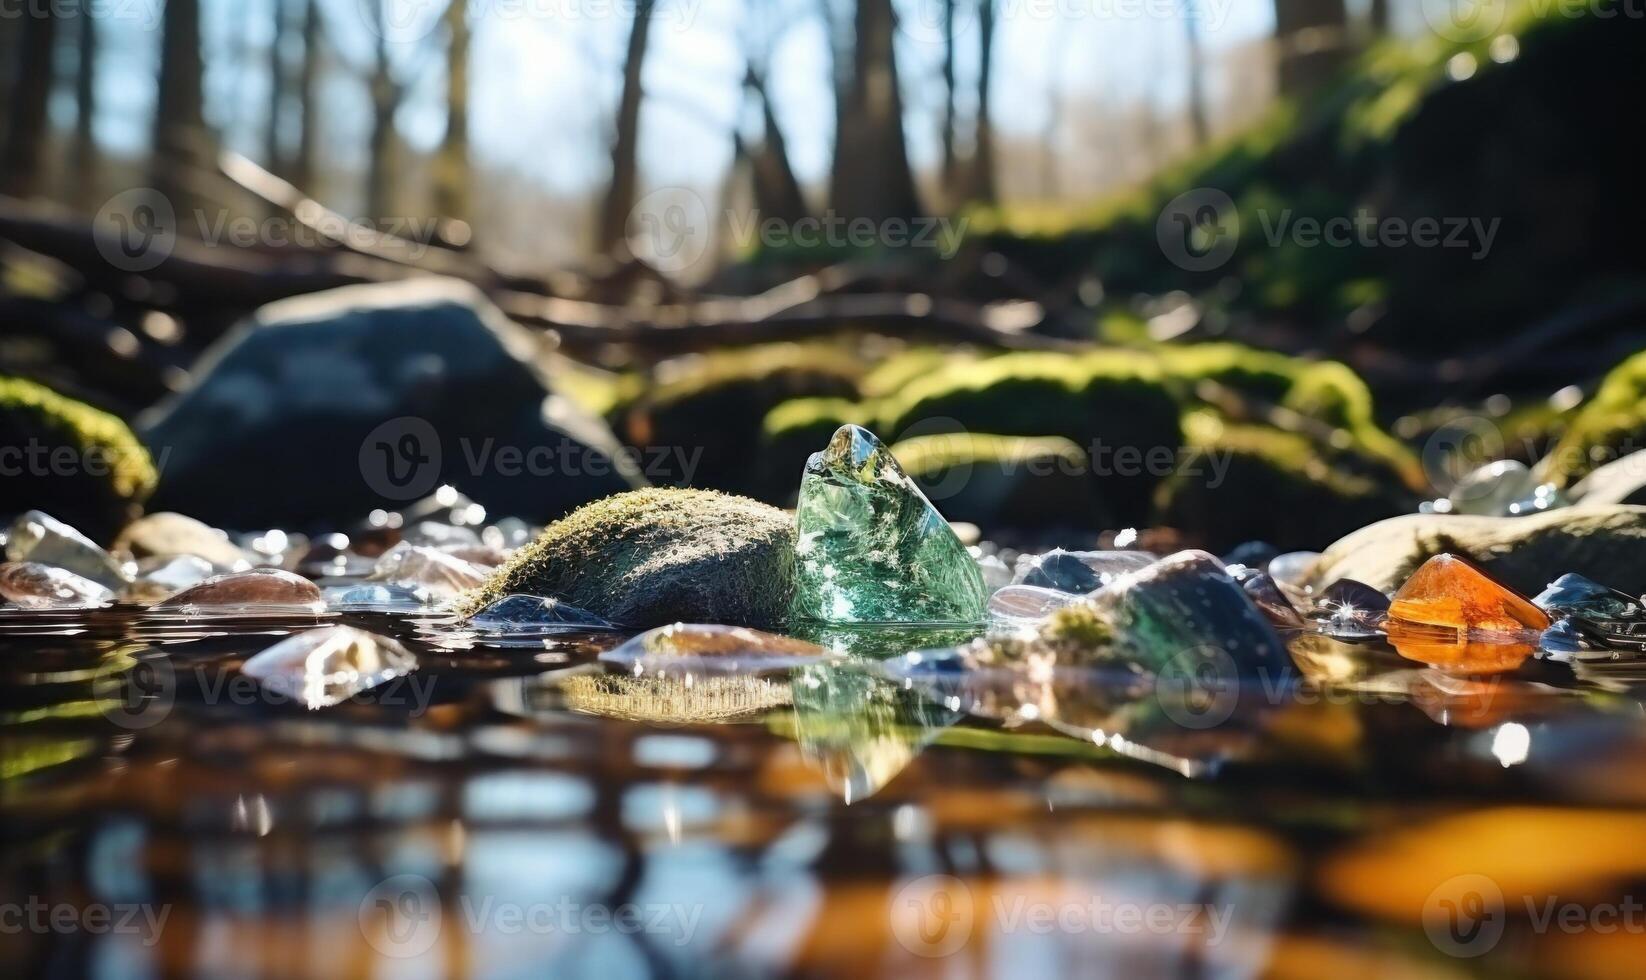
110 472
1609 425
657 556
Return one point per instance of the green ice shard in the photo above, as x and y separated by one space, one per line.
872 548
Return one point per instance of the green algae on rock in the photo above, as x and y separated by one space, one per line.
872 548
652 557
113 474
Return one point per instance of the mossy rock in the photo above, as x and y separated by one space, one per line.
1117 406
794 430
1005 481
85 465
1244 482
1609 426
701 419
652 557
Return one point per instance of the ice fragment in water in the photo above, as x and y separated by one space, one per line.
163 577
45 540
31 585
1573 595
324 667
430 569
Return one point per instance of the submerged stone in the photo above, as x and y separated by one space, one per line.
1352 609
660 556
1448 591
162 577
1186 612
1079 571
327 666
697 649
31 585
872 548
1461 651
264 592
377 597
430 569
533 614
1574 595
166 534
40 538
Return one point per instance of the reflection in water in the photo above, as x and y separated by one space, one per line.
674 699
859 729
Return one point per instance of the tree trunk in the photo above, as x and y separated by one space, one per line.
83 161
1377 17
25 142
451 176
871 176
1197 73
385 99
179 119
951 162
983 180
1313 37
777 191
273 156
303 170
625 179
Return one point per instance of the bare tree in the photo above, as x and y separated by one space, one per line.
625 175
83 156
983 176
1197 72
386 95
302 169
451 167
25 136
1313 38
777 191
870 177
951 160
179 119
274 155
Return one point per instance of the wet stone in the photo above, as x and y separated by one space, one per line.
40 538
1252 554
1267 595
162 577
535 614
1352 609
1461 651
327 666
1185 612
1574 595
31 585
1079 571
270 592
1017 608
1291 573
872 548
1448 591
166 534
706 649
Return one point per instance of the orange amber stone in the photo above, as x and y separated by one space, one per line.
1448 591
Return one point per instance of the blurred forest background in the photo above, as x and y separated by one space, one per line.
534 148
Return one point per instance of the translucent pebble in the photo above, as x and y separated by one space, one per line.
376 597
533 614
263 592
1573 595
995 573
1291 572
326 666
699 649
31 585
1492 489
1450 592
40 538
1353 610
430 569
1267 595
1017 608
1078 571
163 577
